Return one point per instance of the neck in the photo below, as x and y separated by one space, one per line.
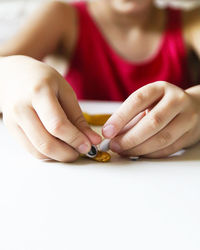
124 20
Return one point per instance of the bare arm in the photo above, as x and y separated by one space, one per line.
191 29
173 122
39 107
44 33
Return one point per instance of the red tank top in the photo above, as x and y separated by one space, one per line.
97 72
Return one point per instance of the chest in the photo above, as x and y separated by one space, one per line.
134 46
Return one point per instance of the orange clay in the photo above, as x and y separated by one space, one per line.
96 120
102 157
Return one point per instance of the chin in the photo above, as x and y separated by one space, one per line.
131 6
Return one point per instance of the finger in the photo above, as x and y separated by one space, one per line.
183 142
74 112
18 133
162 139
104 145
159 117
139 101
56 122
44 142
133 122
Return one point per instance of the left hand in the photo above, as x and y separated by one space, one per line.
172 124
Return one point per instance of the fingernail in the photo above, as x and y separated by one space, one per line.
84 148
114 146
109 130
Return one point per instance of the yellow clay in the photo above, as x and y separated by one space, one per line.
102 157
96 120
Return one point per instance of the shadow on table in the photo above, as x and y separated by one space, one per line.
191 154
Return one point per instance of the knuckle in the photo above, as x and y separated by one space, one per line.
80 121
56 127
164 139
181 96
39 87
139 98
179 99
173 102
156 121
45 148
17 109
42 84
74 139
163 84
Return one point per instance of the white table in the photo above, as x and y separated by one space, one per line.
147 204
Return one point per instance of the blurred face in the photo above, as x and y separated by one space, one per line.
130 6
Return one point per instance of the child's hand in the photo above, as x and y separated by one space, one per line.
42 111
173 122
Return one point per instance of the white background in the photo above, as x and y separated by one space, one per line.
148 204
121 205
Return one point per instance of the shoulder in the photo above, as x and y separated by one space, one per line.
191 16
61 10
59 15
58 6
191 26
65 16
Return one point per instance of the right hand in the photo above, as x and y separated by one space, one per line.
41 110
